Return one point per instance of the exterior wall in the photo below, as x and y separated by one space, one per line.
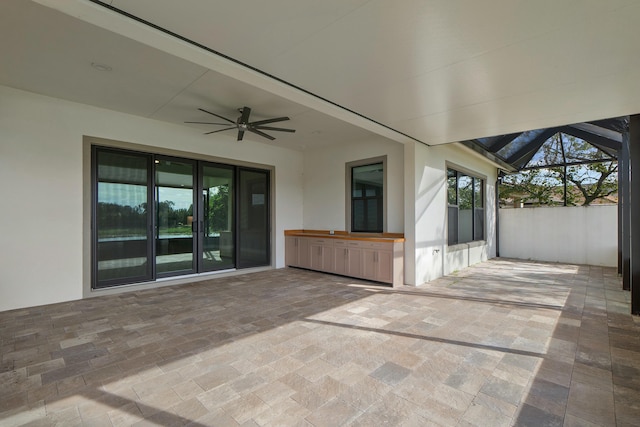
325 183
427 209
579 235
44 186
42 182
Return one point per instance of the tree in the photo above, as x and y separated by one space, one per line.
539 186
590 176
219 209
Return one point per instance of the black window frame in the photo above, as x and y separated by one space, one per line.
379 197
478 217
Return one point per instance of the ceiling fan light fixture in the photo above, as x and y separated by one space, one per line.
101 67
242 124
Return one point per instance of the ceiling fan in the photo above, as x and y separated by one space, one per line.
243 124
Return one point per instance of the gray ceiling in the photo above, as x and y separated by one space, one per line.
433 71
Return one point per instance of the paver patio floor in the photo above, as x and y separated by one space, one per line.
505 342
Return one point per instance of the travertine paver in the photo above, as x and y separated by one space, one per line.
502 343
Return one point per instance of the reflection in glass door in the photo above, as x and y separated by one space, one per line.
174 217
157 216
122 246
253 218
216 229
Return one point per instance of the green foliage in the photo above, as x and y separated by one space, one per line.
586 183
538 186
219 211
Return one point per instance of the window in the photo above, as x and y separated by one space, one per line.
465 197
157 216
367 198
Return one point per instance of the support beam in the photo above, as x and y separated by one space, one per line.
634 156
497 189
624 218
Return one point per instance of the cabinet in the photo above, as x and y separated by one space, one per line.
379 260
348 258
296 252
321 254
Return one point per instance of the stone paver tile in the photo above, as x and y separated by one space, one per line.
334 413
190 409
573 421
315 370
555 371
593 376
126 415
591 403
495 405
160 400
390 373
215 398
484 416
274 392
216 377
503 390
246 407
364 393
102 420
531 416
284 413
187 389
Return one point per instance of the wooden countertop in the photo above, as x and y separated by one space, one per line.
369 237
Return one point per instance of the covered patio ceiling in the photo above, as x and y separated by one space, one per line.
430 71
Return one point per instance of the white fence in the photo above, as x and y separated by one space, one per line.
576 235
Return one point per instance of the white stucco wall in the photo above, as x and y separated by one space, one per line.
41 187
577 235
433 257
325 182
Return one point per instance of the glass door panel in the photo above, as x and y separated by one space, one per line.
217 228
253 218
174 217
122 220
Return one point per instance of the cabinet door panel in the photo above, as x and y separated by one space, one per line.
327 258
291 251
303 253
315 257
340 258
369 264
354 262
385 266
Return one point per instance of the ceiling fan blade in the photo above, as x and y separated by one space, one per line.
210 123
217 115
246 111
219 130
262 134
264 122
272 128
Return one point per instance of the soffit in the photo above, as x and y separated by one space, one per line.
434 71
439 71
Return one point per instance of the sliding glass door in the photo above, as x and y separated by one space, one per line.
217 225
158 216
175 243
122 197
253 218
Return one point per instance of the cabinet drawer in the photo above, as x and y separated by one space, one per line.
325 242
377 245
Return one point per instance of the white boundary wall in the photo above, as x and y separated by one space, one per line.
577 235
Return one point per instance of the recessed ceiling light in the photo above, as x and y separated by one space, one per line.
101 67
